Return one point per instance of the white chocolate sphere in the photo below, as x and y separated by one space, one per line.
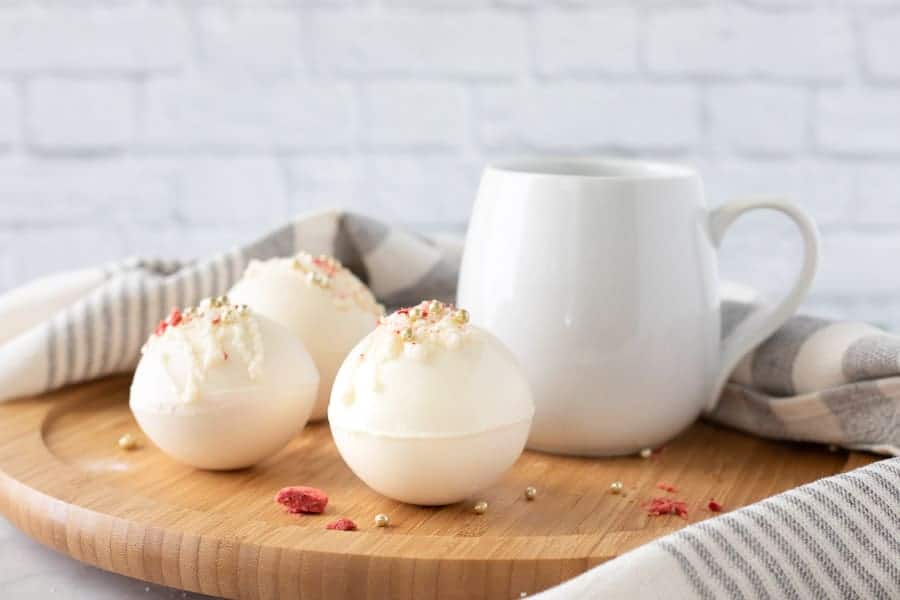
222 388
430 410
319 301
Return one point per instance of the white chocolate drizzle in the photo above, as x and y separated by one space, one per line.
415 333
208 335
327 274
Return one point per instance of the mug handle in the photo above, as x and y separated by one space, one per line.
762 323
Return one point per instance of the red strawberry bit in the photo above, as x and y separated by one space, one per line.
325 265
714 506
666 487
217 320
161 328
298 499
342 524
658 507
175 317
403 311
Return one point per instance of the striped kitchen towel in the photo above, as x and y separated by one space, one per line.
834 538
813 380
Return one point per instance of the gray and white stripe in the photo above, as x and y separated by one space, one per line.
835 513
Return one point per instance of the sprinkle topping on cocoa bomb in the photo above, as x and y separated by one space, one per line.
209 334
325 273
419 330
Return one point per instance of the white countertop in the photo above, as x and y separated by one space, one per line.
30 570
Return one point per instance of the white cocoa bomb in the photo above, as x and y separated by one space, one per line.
220 387
429 409
319 301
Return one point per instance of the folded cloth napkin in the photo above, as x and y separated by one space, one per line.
834 538
814 380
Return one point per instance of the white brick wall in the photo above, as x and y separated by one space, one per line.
73 115
176 128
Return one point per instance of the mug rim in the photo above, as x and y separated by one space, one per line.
617 169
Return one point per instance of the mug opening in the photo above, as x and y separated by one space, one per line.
593 168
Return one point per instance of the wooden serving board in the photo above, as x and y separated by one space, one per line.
65 482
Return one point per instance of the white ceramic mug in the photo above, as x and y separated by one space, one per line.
601 276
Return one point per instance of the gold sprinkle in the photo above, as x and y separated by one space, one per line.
318 279
415 313
435 307
382 520
646 453
128 442
530 492
616 487
407 335
480 507
461 316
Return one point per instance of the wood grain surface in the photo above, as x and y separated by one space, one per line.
65 482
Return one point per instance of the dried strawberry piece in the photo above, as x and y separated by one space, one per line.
161 328
302 499
342 524
175 317
667 506
666 487
325 265
714 506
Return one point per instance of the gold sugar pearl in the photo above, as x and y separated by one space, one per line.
480 507
128 442
646 453
415 313
407 335
435 307
382 520
616 487
317 279
461 316
530 492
